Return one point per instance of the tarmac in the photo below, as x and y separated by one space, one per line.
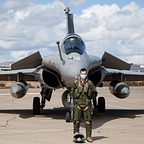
123 122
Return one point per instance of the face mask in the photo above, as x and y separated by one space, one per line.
83 76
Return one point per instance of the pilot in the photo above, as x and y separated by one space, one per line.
82 92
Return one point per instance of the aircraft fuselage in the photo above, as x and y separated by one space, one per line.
74 57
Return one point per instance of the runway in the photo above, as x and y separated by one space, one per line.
123 121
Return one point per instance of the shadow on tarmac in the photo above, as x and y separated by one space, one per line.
112 114
98 138
98 120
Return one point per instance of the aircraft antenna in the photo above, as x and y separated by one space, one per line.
58 44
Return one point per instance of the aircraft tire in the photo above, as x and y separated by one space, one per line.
36 106
101 105
65 102
68 117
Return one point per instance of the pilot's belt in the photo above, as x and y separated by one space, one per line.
82 107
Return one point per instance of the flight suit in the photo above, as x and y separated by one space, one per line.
82 94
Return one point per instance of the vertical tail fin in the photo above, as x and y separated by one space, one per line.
70 23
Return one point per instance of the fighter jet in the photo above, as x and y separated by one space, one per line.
60 70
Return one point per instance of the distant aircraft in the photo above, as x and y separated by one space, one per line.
59 71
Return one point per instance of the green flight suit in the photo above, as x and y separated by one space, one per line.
82 94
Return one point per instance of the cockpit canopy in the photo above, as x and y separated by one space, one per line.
73 44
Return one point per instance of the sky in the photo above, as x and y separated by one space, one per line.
115 26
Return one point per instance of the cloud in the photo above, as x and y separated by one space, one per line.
77 2
15 4
114 29
34 27
28 26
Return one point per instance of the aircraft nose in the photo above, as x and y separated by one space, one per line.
72 67
73 72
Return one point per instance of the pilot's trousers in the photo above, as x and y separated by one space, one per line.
86 110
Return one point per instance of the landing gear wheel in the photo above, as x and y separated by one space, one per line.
36 106
68 117
101 105
66 99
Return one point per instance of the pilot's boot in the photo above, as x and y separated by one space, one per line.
88 126
89 139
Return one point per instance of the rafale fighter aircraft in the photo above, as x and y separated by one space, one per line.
59 71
